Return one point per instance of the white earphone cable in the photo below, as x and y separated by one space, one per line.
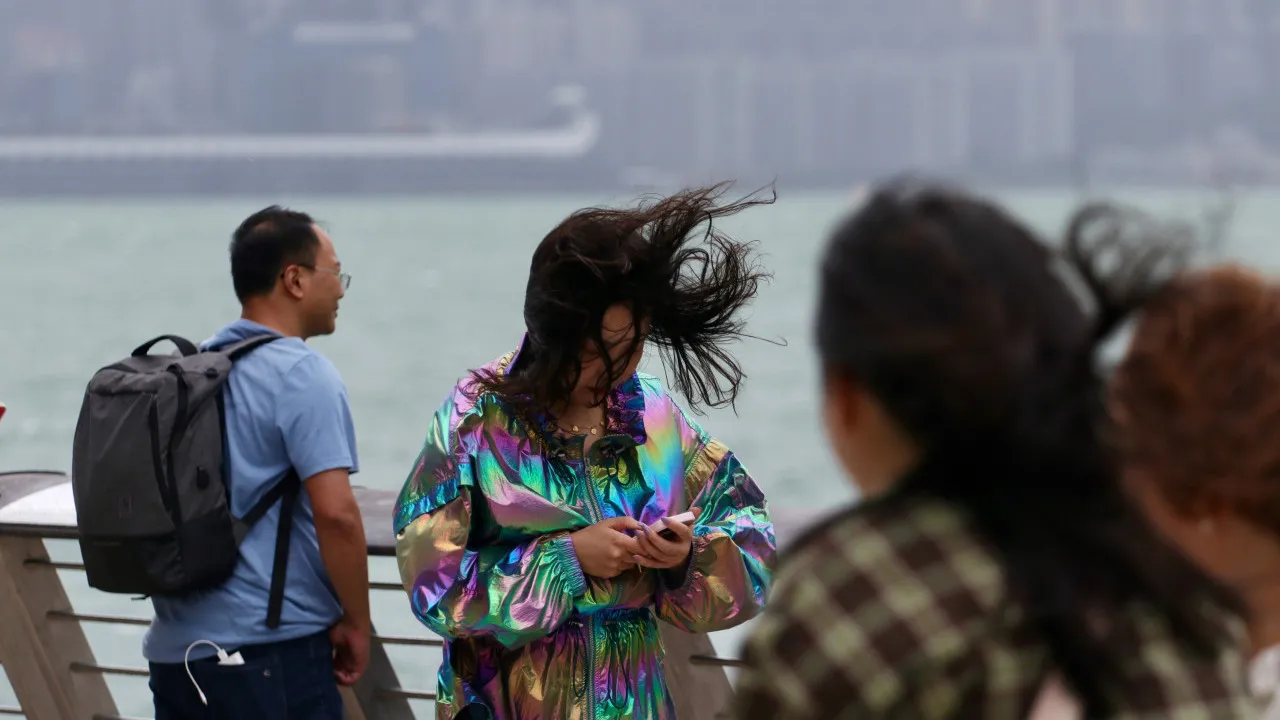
186 662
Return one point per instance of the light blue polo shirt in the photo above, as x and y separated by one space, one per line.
286 404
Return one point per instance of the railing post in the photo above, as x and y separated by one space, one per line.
381 674
37 654
700 692
351 709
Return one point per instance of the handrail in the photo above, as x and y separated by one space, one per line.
56 676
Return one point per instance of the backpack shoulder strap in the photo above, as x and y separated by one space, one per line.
244 524
240 348
286 491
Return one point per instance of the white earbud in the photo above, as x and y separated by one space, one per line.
223 659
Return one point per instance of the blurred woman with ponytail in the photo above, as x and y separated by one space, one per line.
523 530
995 559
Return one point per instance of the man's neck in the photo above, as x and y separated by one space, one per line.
266 317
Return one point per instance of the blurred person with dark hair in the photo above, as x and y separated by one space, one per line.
1197 404
995 555
523 531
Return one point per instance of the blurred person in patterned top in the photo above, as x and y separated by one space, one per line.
995 553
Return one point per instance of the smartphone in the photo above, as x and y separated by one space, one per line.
665 532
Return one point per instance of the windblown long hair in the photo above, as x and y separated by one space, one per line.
967 329
671 265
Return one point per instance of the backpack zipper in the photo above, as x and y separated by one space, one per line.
165 487
180 420
175 433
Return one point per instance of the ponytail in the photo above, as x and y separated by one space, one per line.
958 320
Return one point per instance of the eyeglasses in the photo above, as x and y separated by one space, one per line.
344 278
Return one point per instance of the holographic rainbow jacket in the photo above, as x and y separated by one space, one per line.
482 528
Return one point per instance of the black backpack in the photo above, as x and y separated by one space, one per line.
150 482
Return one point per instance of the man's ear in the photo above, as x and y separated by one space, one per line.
293 281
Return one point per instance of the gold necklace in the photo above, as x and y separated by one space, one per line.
593 429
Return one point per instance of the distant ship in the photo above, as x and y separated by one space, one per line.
565 157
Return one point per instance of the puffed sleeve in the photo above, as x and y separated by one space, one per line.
513 593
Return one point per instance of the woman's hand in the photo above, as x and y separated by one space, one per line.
604 551
657 552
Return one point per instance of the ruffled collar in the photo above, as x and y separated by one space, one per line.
624 412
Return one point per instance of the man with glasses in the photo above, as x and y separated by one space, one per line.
285 409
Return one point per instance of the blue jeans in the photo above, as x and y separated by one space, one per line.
291 680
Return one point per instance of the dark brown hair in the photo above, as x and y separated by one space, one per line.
667 261
1197 397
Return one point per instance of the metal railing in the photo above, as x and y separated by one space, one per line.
55 674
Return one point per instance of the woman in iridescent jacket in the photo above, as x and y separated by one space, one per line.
522 531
